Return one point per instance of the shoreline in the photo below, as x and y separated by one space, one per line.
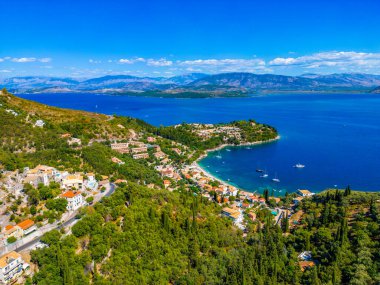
211 176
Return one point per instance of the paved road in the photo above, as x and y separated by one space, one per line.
70 222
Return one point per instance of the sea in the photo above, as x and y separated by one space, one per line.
336 136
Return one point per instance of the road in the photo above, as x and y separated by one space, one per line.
23 244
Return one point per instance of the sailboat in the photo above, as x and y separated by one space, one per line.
275 179
264 175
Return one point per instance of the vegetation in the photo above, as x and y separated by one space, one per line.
144 236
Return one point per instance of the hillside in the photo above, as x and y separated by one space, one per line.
376 90
147 232
196 85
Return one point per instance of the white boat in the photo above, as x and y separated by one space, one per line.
299 165
264 175
275 179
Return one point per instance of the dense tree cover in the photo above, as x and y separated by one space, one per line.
145 236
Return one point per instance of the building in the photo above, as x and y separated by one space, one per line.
151 139
74 200
232 214
27 226
159 155
12 266
306 265
140 155
39 123
167 183
73 181
75 141
120 147
118 161
305 193
139 149
297 200
12 231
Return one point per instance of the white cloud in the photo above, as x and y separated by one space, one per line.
24 59
331 59
45 59
159 62
94 61
5 71
126 61
1 60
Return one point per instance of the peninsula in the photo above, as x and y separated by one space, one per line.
95 199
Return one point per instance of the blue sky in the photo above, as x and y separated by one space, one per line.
164 38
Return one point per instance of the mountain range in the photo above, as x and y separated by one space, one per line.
197 84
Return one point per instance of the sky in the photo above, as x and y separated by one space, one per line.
82 38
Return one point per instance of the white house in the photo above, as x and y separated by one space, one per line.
39 123
74 200
11 266
73 181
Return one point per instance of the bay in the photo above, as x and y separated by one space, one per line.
336 136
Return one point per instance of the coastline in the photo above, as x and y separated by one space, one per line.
196 164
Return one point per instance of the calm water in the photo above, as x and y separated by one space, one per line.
337 137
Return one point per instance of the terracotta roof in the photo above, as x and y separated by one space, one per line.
8 227
70 194
4 258
166 182
306 264
26 224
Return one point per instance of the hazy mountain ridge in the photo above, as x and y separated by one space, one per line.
195 82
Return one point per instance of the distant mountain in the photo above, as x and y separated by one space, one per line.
186 78
376 90
220 85
346 79
250 81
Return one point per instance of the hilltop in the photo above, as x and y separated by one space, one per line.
196 85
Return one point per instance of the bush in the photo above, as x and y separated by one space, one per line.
11 240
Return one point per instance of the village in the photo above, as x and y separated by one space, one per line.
76 190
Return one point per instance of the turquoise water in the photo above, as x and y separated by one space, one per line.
336 136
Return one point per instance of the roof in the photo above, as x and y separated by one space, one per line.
8 227
74 177
26 224
4 258
69 194
305 192
306 264
166 181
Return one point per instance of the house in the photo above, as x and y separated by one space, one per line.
297 200
91 182
159 154
120 147
73 141
74 200
118 161
39 123
12 266
166 183
177 150
73 181
232 214
12 231
305 193
151 139
27 226
139 149
305 256
140 155
306 265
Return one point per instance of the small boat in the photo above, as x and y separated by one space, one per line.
264 175
259 170
218 156
299 165
275 179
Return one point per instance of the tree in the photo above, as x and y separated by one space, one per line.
11 239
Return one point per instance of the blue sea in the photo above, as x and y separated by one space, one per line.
336 137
